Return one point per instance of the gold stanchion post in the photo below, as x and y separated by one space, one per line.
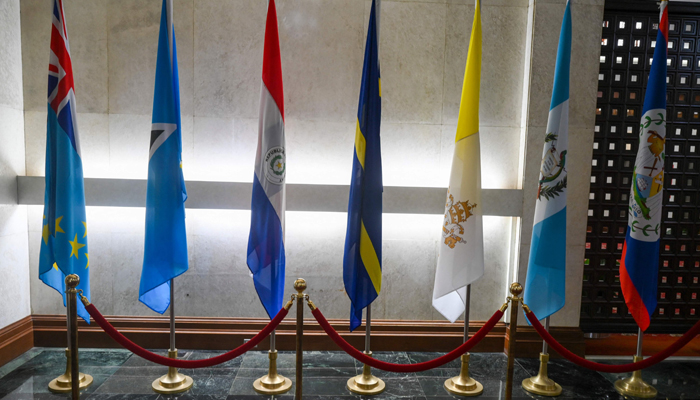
635 386
515 290
541 384
463 384
172 382
64 383
366 383
300 286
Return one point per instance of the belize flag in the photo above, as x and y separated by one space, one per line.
64 249
165 250
545 286
639 265
362 261
461 252
266 240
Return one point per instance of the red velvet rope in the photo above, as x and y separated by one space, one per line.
362 357
178 363
658 357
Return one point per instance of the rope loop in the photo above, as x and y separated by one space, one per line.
178 363
656 358
424 366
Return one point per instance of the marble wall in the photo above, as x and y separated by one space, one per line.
14 284
423 48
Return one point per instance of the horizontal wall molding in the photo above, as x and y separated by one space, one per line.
237 195
16 339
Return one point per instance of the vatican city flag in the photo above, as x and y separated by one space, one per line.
461 259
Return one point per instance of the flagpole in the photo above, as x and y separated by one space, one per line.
366 383
173 381
463 384
545 347
636 386
368 328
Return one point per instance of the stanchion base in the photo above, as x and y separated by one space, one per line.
541 384
459 388
167 384
366 385
635 387
268 385
62 384
542 387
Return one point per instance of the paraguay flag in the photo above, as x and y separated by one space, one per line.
64 248
461 252
266 240
545 286
165 250
639 265
362 261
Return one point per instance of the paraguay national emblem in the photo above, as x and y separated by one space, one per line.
456 213
552 168
275 165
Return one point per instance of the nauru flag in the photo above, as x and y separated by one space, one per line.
639 265
545 285
266 240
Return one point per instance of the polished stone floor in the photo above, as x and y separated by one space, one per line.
121 376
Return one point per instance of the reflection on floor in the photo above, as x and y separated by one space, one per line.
120 375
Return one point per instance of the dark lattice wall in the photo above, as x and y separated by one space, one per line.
627 47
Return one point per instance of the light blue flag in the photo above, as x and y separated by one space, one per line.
165 250
545 286
64 248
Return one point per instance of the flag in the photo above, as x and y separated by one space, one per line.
461 253
266 240
165 249
362 260
639 265
64 249
545 286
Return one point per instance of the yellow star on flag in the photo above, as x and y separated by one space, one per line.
85 225
58 226
75 246
88 258
45 234
55 266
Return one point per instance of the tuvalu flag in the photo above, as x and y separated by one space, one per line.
64 249
545 286
165 250
461 257
362 261
639 265
266 259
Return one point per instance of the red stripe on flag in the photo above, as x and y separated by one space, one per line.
66 83
63 19
272 65
663 23
53 68
632 299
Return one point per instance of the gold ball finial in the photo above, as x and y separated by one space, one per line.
300 285
72 281
516 289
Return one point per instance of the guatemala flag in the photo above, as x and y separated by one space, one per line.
362 261
545 286
639 265
165 250
64 248
266 240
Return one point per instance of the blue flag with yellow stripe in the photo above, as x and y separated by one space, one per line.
362 266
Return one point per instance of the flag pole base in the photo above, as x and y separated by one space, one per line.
366 384
541 384
173 381
635 386
272 383
62 384
463 385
